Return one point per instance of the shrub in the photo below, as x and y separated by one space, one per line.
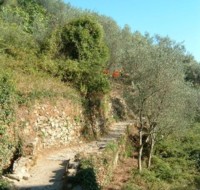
6 99
86 176
85 56
6 116
15 42
163 170
4 185
83 40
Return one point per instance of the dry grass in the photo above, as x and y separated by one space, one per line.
35 82
44 86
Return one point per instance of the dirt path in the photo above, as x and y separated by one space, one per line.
47 173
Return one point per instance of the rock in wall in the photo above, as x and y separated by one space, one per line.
46 125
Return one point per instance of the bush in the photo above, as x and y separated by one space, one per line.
163 170
7 92
86 54
15 42
4 185
86 176
87 179
83 40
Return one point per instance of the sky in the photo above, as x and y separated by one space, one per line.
178 19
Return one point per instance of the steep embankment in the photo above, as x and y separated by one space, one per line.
50 166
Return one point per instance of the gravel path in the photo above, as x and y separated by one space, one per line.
48 172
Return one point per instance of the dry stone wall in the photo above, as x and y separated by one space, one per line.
45 125
57 130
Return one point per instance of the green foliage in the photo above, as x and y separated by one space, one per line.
1 2
97 84
52 45
7 92
146 180
32 22
83 46
163 170
129 149
7 148
37 20
192 144
26 99
6 99
86 176
14 41
193 74
177 157
28 14
119 112
48 37
4 185
112 39
156 89
112 146
70 71
83 40
59 12
87 179
131 186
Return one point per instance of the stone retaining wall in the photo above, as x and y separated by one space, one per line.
46 125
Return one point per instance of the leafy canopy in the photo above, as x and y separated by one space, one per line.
83 44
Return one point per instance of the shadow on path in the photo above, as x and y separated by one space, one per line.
49 172
84 179
56 182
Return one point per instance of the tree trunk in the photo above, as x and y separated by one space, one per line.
151 151
140 151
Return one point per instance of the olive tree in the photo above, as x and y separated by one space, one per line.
113 41
157 93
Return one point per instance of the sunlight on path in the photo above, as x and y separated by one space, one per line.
50 168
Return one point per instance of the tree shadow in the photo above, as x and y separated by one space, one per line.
85 179
56 182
